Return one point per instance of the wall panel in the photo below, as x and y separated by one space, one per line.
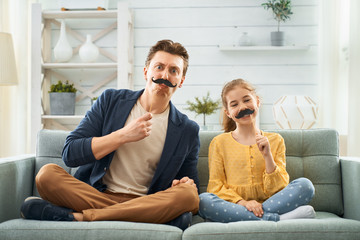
201 26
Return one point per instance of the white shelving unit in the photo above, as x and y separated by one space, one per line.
79 14
79 117
78 65
262 48
43 68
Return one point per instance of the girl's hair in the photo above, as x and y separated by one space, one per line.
228 123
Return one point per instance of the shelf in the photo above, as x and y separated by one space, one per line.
262 48
112 26
59 117
78 65
79 14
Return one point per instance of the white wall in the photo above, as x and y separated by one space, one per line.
202 25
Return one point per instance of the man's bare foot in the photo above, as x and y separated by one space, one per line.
78 217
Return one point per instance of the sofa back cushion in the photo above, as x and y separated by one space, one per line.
309 153
49 148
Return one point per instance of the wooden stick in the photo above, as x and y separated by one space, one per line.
151 103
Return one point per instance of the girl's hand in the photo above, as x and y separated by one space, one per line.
263 145
252 206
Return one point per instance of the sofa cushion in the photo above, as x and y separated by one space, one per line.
325 226
309 153
36 230
49 148
203 166
16 177
314 154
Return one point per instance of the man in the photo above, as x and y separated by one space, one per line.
136 153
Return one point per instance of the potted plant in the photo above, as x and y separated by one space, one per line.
281 10
62 98
206 106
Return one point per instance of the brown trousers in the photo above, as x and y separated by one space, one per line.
60 188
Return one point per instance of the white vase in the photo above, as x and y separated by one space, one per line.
63 51
245 40
88 51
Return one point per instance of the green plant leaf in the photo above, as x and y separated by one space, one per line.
205 106
63 87
281 10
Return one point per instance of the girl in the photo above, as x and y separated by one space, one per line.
248 179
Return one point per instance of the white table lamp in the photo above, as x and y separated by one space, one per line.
295 112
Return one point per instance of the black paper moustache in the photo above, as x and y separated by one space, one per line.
244 112
163 81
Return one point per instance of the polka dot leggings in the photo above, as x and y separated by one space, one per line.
299 192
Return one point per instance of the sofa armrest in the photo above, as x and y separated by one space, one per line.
16 183
350 172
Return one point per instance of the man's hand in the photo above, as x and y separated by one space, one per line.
252 206
137 129
185 180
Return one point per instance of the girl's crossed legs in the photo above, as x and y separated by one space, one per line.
298 193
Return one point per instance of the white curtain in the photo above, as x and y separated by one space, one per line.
339 72
354 80
333 64
13 99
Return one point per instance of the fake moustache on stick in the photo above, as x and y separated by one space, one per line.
163 81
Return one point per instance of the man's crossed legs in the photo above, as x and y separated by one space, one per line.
82 202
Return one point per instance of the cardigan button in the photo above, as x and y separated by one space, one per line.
104 169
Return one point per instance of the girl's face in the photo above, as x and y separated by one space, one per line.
239 99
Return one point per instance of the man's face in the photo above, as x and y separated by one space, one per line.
166 66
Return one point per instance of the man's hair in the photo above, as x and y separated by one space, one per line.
169 47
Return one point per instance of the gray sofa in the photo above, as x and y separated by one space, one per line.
310 153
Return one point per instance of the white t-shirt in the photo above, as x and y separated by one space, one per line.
134 164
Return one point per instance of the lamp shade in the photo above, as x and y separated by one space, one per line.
295 112
8 74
